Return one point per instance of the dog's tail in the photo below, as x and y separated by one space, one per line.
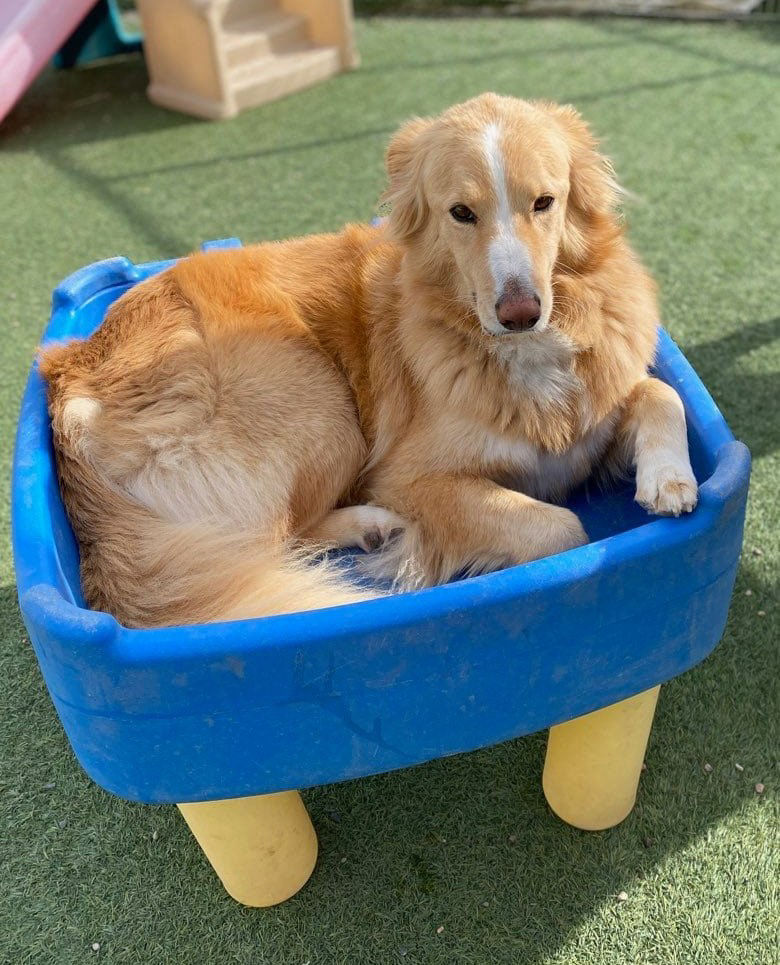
162 574
150 572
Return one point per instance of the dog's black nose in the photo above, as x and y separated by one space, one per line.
519 313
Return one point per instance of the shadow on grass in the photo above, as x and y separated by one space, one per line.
281 150
100 184
466 842
155 231
105 100
749 398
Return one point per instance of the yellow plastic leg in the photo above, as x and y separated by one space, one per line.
263 848
593 763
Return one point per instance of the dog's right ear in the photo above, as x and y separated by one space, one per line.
404 160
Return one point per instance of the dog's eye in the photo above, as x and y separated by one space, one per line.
544 202
463 214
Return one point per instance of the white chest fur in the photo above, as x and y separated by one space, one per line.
545 474
539 364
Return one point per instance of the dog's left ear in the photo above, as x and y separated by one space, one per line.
594 191
405 195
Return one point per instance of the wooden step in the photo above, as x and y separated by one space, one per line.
236 10
268 78
267 33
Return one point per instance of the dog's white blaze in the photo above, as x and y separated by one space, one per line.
495 159
507 255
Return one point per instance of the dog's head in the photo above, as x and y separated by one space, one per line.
495 195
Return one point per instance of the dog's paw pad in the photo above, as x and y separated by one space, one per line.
380 528
670 491
372 539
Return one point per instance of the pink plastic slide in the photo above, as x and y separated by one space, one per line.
31 32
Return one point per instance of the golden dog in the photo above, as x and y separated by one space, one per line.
381 387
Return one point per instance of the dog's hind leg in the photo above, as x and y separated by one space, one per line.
176 432
464 525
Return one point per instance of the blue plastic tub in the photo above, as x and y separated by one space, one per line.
221 710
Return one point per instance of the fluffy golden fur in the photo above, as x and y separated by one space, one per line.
367 388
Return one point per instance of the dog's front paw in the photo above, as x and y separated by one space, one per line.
667 489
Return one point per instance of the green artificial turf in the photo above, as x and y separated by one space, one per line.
691 116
